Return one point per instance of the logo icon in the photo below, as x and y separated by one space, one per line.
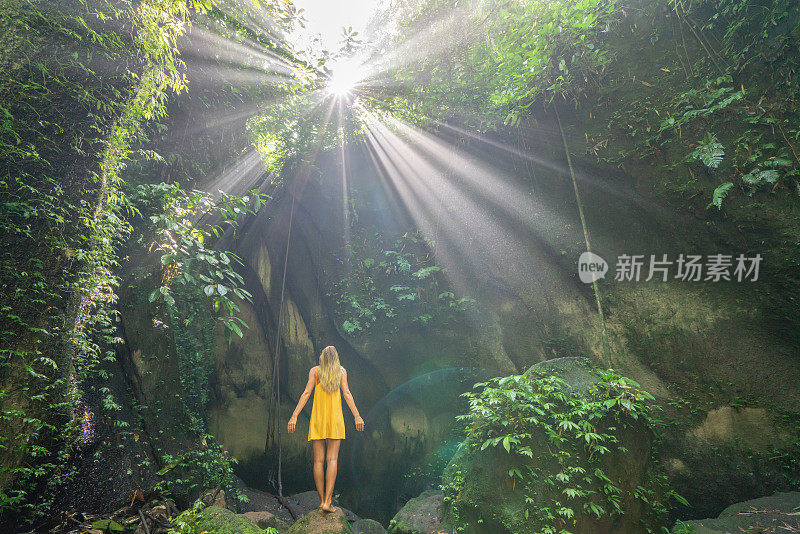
591 267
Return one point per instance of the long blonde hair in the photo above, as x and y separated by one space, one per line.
330 371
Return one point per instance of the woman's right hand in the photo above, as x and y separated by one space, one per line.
292 424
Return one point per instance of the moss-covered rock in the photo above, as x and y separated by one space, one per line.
218 520
563 445
267 520
319 522
368 526
420 515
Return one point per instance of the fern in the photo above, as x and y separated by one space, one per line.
710 152
758 177
719 195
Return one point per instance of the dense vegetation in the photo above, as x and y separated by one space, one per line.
72 116
587 432
99 195
85 85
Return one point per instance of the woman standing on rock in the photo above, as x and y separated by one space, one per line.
328 382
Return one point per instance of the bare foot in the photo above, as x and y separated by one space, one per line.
327 507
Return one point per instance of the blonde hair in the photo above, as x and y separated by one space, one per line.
330 371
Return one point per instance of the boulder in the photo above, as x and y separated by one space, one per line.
411 435
223 521
319 522
214 497
368 526
728 425
308 501
266 520
567 490
420 515
577 374
777 513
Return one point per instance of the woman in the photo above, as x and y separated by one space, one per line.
328 381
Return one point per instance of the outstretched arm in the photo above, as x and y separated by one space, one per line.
301 403
348 397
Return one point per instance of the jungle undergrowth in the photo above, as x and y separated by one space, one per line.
514 413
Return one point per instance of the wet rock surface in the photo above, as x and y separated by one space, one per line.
775 514
368 526
266 520
319 522
420 515
308 501
223 521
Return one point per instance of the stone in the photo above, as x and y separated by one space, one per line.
262 266
308 501
223 521
411 436
266 520
765 514
214 497
576 372
409 421
420 515
319 522
368 526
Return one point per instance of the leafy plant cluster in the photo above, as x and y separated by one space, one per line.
83 80
197 288
496 62
187 263
196 470
383 288
528 417
82 77
292 132
187 521
760 157
496 59
746 31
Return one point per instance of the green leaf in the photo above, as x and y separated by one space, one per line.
107 524
169 467
710 152
719 195
235 328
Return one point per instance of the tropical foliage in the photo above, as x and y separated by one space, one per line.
525 415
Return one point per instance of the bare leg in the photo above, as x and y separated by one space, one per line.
332 458
318 446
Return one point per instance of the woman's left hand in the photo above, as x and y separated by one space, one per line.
359 423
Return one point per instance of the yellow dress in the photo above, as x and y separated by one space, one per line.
327 420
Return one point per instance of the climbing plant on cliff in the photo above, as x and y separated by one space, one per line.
188 262
384 287
81 78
